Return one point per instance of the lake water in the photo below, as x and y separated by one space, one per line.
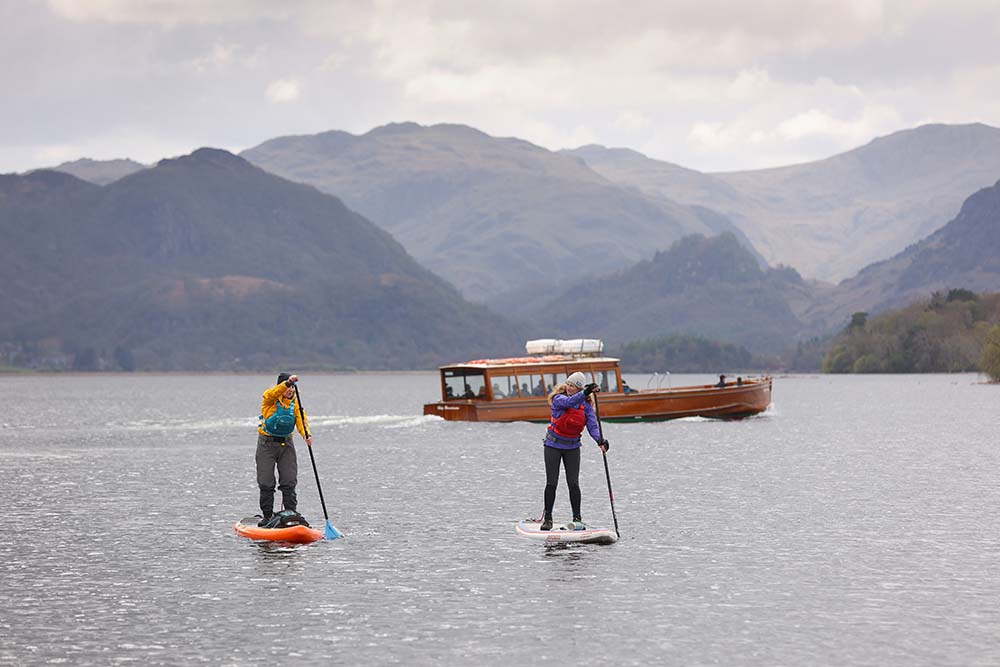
855 523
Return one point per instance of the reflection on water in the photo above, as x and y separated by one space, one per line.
276 551
854 523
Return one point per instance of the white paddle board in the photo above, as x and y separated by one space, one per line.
531 528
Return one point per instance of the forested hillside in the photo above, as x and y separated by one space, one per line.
708 287
943 334
683 354
206 262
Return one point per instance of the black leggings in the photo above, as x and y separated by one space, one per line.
571 460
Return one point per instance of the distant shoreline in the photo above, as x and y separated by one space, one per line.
34 373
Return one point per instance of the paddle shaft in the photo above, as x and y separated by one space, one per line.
607 473
302 416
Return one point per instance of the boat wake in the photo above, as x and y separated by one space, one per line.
188 424
318 421
382 421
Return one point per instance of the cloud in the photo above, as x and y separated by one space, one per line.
169 12
631 120
873 119
283 91
131 143
709 84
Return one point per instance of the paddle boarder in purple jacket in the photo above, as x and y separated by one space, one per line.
572 410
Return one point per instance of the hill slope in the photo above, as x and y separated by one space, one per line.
207 262
965 253
100 172
491 215
710 287
832 217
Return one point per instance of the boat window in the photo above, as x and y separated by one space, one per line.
464 384
534 386
554 379
504 387
607 380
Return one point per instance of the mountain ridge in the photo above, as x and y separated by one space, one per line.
489 214
206 262
832 217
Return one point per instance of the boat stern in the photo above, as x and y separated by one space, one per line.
452 410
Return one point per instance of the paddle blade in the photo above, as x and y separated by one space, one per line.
331 532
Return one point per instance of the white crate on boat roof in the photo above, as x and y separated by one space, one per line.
581 346
542 346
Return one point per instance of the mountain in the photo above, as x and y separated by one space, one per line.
965 253
100 172
492 215
206 262
714 288
832 217
661 179
709 287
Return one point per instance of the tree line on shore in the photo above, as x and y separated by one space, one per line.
950 332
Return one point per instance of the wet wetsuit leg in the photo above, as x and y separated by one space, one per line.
570 459
552 458
571 463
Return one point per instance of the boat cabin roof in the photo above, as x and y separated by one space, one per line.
541 360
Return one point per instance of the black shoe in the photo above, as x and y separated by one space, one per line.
263 522
546 523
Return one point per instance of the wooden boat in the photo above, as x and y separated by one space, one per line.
516 389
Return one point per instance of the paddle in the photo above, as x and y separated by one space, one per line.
331 532
611 495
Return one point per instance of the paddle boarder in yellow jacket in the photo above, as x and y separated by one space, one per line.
279 418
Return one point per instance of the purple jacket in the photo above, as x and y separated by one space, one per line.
560 403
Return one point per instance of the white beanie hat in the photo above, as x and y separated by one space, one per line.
577 378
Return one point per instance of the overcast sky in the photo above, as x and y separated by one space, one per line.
710 84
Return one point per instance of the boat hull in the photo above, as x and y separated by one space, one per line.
730 402
292 534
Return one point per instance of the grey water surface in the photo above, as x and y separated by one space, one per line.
854 523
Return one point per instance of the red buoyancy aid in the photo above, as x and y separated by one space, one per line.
570 423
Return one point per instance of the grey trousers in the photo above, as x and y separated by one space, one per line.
270 455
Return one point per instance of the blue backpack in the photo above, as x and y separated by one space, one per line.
282 422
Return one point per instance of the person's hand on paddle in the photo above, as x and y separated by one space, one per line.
590 389
292 379
604 445
309 441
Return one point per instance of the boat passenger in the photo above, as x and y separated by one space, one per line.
722 382
625 388
524 389
496 391
280 417
739 382
572 410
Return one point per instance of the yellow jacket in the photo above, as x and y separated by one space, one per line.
269 405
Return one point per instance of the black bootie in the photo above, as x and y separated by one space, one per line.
546 522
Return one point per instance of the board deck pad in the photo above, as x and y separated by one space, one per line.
531 529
